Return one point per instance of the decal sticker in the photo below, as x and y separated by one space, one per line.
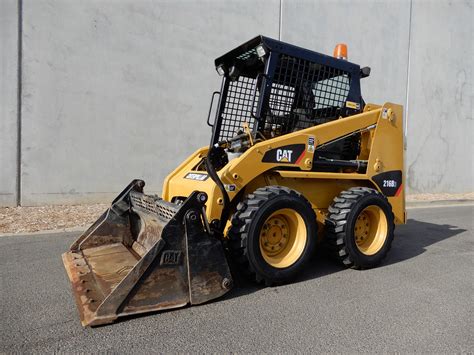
288 154
196 176
311 144
389 182
230 187
353 105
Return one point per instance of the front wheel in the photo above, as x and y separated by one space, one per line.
273 234
360 227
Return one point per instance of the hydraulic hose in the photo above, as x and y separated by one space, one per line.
226 201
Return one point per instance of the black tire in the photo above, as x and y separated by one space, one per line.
346 210
245 233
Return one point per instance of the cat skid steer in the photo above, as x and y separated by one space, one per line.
297 160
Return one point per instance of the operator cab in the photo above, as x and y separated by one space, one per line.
271 88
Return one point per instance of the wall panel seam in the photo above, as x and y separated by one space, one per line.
19 102
280 21
407 95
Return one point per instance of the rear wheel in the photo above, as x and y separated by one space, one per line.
273 234
360 227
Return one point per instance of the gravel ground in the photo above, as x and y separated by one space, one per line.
440 197
32 219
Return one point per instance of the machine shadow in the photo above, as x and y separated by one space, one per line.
411 240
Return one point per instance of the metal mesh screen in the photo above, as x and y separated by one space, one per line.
238 106
304 94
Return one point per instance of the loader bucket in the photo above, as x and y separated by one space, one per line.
145 254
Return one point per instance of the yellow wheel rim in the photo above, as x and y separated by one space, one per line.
283 238
370 230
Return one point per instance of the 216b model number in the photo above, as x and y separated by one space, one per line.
389 183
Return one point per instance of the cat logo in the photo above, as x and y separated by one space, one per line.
170 257
284 155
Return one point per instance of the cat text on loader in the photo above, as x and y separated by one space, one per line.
297 160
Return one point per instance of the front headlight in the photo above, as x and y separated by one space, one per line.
220 70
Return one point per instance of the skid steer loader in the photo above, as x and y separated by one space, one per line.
296 159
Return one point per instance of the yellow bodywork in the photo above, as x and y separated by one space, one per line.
381 145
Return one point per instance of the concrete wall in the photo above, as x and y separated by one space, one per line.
8 101
116 90
376 34
440 121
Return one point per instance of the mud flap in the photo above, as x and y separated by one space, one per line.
145 254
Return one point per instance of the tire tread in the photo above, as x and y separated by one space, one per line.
241 221
336 223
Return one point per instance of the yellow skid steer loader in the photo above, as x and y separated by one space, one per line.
296 157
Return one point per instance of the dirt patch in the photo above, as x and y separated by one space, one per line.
32 219
440 197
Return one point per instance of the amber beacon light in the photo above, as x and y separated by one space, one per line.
340 51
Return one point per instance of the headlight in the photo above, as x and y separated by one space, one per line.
220 70
260 51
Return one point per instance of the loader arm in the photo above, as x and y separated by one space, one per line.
386 145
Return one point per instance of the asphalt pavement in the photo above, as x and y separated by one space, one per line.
420 299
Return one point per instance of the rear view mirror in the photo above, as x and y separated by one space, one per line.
210 108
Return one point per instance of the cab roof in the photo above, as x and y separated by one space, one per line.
247 52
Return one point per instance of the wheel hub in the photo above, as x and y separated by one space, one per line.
370 230
282 238
274 235
362 228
